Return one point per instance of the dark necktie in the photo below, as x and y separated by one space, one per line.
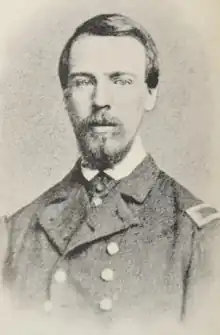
100 185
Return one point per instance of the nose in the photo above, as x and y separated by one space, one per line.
101 95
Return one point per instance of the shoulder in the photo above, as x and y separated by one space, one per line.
14 228
200 213
57 191
191 207
21 218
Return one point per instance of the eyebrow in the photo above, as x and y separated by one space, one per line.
82 74
120 73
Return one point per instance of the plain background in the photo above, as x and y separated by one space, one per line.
37 146
182 133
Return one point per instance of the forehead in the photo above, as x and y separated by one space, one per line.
107 54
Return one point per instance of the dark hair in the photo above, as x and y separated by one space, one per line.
113 25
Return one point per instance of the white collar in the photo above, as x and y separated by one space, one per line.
121 170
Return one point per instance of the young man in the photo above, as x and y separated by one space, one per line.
116 235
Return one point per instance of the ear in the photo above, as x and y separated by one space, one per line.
151 98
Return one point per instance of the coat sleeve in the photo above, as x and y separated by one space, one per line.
203 277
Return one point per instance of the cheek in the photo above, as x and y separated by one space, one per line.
80 103
129 97
129 107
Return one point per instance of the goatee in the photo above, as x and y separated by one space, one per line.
97 155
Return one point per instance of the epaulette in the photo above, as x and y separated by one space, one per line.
203 214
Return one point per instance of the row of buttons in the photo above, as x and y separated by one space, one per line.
107 274
105 305
112 249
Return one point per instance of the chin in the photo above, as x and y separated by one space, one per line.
103 154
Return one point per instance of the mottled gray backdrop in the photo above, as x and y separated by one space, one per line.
37 144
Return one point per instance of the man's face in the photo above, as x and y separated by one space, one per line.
107 96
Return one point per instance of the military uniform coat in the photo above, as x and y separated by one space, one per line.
142 244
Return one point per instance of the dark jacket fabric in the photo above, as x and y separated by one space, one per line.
166 244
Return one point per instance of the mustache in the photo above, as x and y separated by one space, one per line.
102 119
103 122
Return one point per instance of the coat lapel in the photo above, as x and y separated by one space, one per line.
111 218
140 182
63 209
60 220
70 222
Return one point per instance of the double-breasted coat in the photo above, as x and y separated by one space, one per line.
142 244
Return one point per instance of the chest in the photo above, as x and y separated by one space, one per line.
125 256
140 277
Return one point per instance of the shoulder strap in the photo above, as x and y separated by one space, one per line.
203 214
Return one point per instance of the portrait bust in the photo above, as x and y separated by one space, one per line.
117 236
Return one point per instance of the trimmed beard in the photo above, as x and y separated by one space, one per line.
95 151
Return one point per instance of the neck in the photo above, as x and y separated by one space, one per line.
136 151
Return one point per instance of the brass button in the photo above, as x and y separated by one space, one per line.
112 248
106 304
60 276
48 306
107 274
96 201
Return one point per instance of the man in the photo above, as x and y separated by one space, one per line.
117 235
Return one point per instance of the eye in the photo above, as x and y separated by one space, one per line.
122 81
81 82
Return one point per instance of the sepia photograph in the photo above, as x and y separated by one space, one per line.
110 167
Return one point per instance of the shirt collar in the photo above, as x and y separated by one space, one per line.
121 170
